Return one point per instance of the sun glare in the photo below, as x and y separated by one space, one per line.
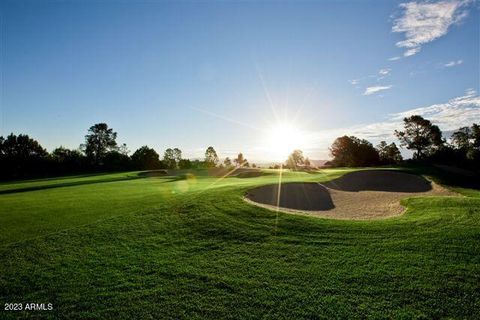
282 139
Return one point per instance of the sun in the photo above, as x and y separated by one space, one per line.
282 139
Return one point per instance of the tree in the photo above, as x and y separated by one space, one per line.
68 160
123 149
240 160
99 140
172 157
197 164
211 157
461 138
476 136
227 162
350 151
467 141
307 162
389 153
177 154
420 135
185 164
21 156
146 158
116 161
21 147
476 142
169 158
295 159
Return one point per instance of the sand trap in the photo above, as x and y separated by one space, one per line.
365 194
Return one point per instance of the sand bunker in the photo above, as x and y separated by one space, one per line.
365 194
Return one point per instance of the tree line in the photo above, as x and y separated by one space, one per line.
419 135
23 157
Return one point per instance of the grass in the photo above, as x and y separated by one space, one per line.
120 247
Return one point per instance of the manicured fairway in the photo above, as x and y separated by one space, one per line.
120 246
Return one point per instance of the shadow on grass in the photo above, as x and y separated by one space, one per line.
380 180
448 175
299 196
141 175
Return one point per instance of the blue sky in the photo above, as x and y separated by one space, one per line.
194 74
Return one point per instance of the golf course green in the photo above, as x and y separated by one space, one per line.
187 246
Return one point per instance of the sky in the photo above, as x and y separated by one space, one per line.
210 73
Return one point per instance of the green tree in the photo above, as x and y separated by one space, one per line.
227 162
115 161
211 157
169 158
350 151
21 156
185 164
68 161
389 153
476 136
467 141
240 160
146 158
99 140
177 154
123 149
63 155
421 136
295 159
21 147
476 142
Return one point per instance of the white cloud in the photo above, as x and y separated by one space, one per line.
354 81
374 89
453 63
394 58
451 115
423 22
384 72
411 52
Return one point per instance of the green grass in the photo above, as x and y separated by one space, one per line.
121 247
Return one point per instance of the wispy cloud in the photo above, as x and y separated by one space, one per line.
381 74
411 52
384 72
394 58
374 89
455 113
423 22
453 63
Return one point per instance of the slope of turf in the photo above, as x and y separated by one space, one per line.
122 247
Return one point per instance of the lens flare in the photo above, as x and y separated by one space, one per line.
282 139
